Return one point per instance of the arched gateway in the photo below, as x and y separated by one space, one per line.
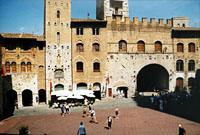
27 98
152 77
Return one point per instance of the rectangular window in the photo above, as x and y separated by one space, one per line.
79 31
95 31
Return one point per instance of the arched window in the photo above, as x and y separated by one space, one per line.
158 46
122 46
7 65
59 73
59 87
14 67
191 47
179 65
79 66
79 47
97 86
81 86
96 67
141 46
95 47
58 14
180 47
191 65
23 67
29 67
58 35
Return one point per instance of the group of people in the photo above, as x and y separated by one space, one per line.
92 114
65 109
161 100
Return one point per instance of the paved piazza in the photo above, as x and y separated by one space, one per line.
133 120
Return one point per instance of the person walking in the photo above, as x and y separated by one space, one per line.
62 110
181 130
117 113
81 129
93 115
84 111
109 120
67 108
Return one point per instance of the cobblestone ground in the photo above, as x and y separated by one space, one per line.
133 121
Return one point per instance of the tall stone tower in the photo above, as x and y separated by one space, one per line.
57 32
111 8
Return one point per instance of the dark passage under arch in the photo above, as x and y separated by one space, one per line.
152 77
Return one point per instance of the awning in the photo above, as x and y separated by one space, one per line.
61 93
62 98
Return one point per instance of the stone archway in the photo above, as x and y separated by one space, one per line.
152 77
11 96
27 98
42 96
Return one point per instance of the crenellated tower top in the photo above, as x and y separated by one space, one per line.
113 8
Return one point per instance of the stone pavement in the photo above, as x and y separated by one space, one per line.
133 121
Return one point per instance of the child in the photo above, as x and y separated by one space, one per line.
117 113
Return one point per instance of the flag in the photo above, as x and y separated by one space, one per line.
3 70
108 80
50 85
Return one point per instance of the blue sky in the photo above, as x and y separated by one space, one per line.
17 16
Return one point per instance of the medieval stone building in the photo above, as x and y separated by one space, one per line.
110 55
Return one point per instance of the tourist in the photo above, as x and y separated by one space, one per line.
181 130
93 116
67 108
161 105
62 110
117 113
85 101
109 120
89 112
81 129
84 111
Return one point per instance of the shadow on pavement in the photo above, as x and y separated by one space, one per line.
189 109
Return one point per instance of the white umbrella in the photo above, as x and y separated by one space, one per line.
61 93
62 98
90 95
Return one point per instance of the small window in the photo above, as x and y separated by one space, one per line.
58 35
61 4
79 66
61 24
95 47
49 3
14 67
96 67
158 46
191 47
58 14
141 46
56 3
23 67
79 31
95 31
49 23
122 46
179 65
55 24
184 25
29 67
7 65
79 47
67 4
180 47
191 65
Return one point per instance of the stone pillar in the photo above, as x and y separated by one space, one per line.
19 98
